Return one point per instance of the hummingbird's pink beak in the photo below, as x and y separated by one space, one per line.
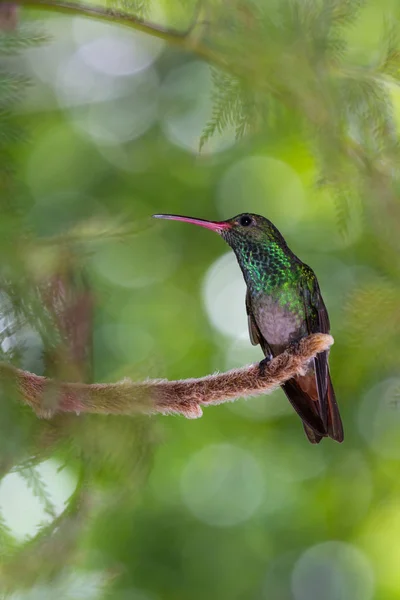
217 226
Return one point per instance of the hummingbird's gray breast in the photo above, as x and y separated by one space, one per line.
278 325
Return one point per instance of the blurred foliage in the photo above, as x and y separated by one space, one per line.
295 106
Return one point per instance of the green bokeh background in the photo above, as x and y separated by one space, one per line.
236 505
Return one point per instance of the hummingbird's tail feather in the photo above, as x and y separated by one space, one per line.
302 393
321 377
335 427
313 437
298 394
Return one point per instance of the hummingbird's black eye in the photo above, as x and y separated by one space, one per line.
245 221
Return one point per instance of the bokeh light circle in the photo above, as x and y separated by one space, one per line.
126 118
262 185
135 263
223 485
224 293
77 83
333 571
116 55
23 512
277 579
186 108
106 109
45 59
115 50
379 418
127 157
294 462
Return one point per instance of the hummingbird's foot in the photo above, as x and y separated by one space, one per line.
264 364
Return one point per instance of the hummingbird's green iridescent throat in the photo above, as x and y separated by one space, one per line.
283 304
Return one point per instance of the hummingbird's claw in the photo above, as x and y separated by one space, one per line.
263 364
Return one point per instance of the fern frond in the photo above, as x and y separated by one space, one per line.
39 489
369 110
345 12
11 87
226 105
7 542
28 35
140 8
390 65
342 205
233 106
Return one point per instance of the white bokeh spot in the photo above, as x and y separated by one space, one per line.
22 511
224 292
333 571
110 110
126 118
120 55
115 50
77 83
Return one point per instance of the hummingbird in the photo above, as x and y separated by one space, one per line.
283 305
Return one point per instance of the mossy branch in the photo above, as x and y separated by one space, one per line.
48 397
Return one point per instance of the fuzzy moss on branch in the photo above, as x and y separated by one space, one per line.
48 397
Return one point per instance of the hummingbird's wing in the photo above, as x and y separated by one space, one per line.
256 336
254 333
318 322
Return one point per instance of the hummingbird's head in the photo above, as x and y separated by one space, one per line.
246 229
250 229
